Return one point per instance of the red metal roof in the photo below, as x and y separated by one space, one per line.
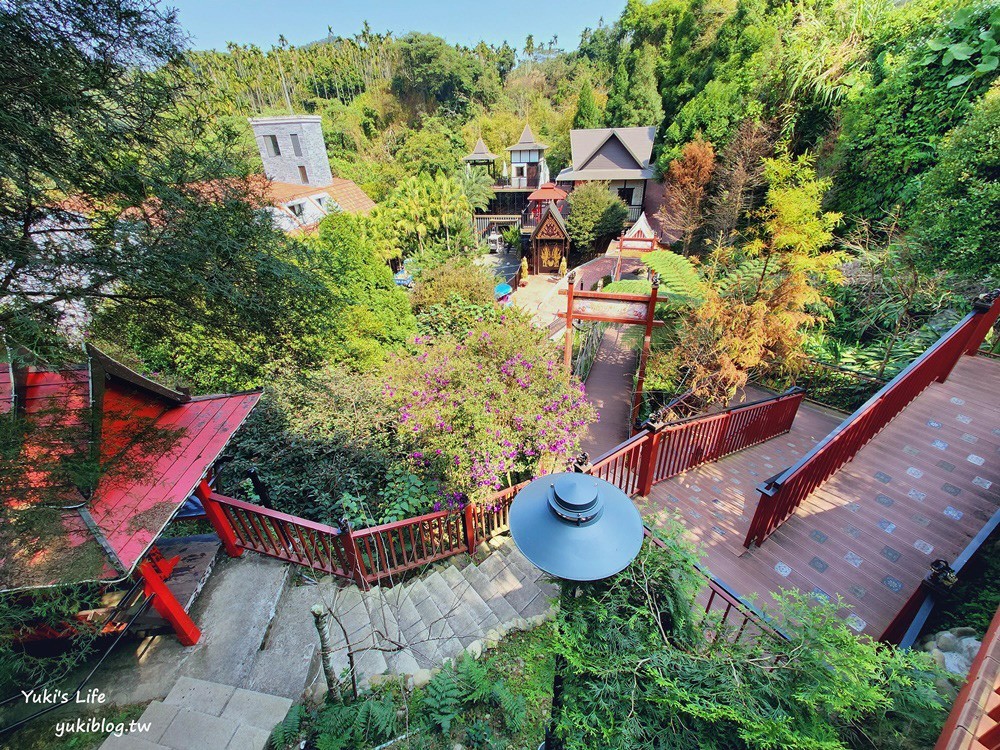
154 444
548 192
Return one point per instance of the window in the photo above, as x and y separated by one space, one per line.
271 142
626 194
297 208
303 175
296 146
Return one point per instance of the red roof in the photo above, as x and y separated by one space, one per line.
154 445
548 192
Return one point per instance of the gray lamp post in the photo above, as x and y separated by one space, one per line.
577 528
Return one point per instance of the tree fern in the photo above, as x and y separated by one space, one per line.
679 280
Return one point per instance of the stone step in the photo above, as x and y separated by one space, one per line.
470 599
197 714
431 637
462 621
490 593
289 660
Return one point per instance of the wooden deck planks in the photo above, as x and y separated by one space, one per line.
919 491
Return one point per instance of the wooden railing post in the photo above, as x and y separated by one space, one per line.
647 465
218 519
470 528
353 556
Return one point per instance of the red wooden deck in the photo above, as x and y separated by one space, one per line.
919 491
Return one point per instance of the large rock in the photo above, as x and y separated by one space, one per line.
957 663
969 647
946 641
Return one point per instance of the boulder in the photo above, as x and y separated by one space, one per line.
474 649
964 632
947 641
956 663
938 656
968 647
421 677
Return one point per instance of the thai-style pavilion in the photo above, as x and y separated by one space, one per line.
549 241
481 156
98 461
525 173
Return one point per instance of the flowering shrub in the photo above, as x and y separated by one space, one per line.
488 408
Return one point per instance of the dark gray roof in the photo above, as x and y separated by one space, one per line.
610 154
527 141
480 153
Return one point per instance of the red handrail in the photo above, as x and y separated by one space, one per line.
782 494
691 442
974 721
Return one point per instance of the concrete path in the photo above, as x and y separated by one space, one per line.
609 388
198 715
258 632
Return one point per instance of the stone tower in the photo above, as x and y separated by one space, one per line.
292 149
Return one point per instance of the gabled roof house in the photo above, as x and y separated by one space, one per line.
620 156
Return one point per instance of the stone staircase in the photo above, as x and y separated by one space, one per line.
198 715
407 629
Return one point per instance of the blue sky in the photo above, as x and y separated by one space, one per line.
212 23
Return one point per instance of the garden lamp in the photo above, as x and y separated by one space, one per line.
576 528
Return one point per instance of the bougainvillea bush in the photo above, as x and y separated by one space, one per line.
488 408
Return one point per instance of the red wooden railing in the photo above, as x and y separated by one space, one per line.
297 540
782 494
974 721
368 556
691 442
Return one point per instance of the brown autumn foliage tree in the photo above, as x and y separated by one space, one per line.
686 188
760 296
739 178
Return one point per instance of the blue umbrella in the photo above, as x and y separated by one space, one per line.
502 290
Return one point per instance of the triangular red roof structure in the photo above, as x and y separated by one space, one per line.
101 459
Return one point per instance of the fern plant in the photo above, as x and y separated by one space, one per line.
289 731
679 280
443 699
474 679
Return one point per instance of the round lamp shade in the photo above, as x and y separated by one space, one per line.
576 527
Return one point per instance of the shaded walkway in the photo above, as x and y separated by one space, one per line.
609 388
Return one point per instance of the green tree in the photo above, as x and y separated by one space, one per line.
645 104
440 74
619 110
370 314
433 148
644 669
893 128
587 114
955 217
94 150
596 215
